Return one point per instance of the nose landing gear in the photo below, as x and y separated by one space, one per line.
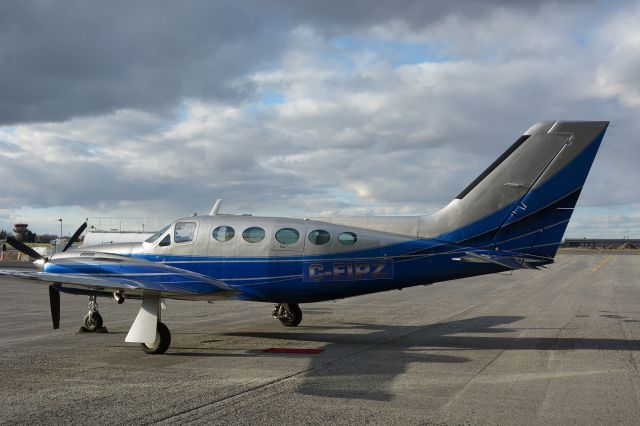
93 320
289 314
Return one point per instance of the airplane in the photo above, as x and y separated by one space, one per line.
512 216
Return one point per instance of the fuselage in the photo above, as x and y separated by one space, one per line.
297 260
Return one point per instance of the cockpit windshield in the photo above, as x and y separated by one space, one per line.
157 235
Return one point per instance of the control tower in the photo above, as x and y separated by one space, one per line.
19 229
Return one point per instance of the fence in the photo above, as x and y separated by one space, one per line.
127 224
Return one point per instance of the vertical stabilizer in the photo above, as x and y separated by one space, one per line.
523 201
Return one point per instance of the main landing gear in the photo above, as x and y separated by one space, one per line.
93 320
154 337
289 314
161 343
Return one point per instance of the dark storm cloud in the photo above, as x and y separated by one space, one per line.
65 58
339 16
60 59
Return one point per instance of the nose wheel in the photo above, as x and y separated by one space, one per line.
93 320
289 314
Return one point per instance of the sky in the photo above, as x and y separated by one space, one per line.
303 108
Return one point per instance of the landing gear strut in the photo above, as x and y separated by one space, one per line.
289 314
93 320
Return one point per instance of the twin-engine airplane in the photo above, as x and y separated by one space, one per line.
513 216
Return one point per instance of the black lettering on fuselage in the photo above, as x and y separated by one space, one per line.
359 270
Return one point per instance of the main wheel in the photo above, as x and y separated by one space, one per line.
293 316
162 342
92 321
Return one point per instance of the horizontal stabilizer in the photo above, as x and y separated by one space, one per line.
510 261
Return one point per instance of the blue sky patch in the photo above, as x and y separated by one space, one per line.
271 97
395 52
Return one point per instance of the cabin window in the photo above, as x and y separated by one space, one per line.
223 233
319 237
253 234
287 236
158 234
166 241
347 238
184 232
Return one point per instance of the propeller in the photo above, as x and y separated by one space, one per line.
54 289
75 236
54 302
22 247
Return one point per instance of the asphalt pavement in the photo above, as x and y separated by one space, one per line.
560 346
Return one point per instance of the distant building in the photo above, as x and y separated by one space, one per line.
22 233
602 243
19 230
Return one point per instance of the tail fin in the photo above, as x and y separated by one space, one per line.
524 200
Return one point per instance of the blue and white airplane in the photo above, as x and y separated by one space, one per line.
513 216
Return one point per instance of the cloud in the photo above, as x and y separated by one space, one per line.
610 223
69 58
287 110
617 75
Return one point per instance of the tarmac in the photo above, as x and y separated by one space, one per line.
560 346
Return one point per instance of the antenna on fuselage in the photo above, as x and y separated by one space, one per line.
216 207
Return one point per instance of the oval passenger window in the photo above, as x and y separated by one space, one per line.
253 234
287 236
319 237
347 238
223 233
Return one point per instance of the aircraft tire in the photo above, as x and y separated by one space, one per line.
93 321
162 342
295 318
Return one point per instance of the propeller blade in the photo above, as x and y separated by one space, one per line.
22 247
54 301
75 236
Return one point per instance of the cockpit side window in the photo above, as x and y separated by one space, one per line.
166 241
184 232
158 234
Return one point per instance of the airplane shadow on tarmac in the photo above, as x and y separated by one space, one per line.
390 349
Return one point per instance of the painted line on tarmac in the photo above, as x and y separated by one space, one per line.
601 264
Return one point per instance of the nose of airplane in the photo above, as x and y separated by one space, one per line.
39 263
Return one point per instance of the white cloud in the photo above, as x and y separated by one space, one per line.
618 69
353 132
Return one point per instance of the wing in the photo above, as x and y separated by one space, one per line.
95 273
82 272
